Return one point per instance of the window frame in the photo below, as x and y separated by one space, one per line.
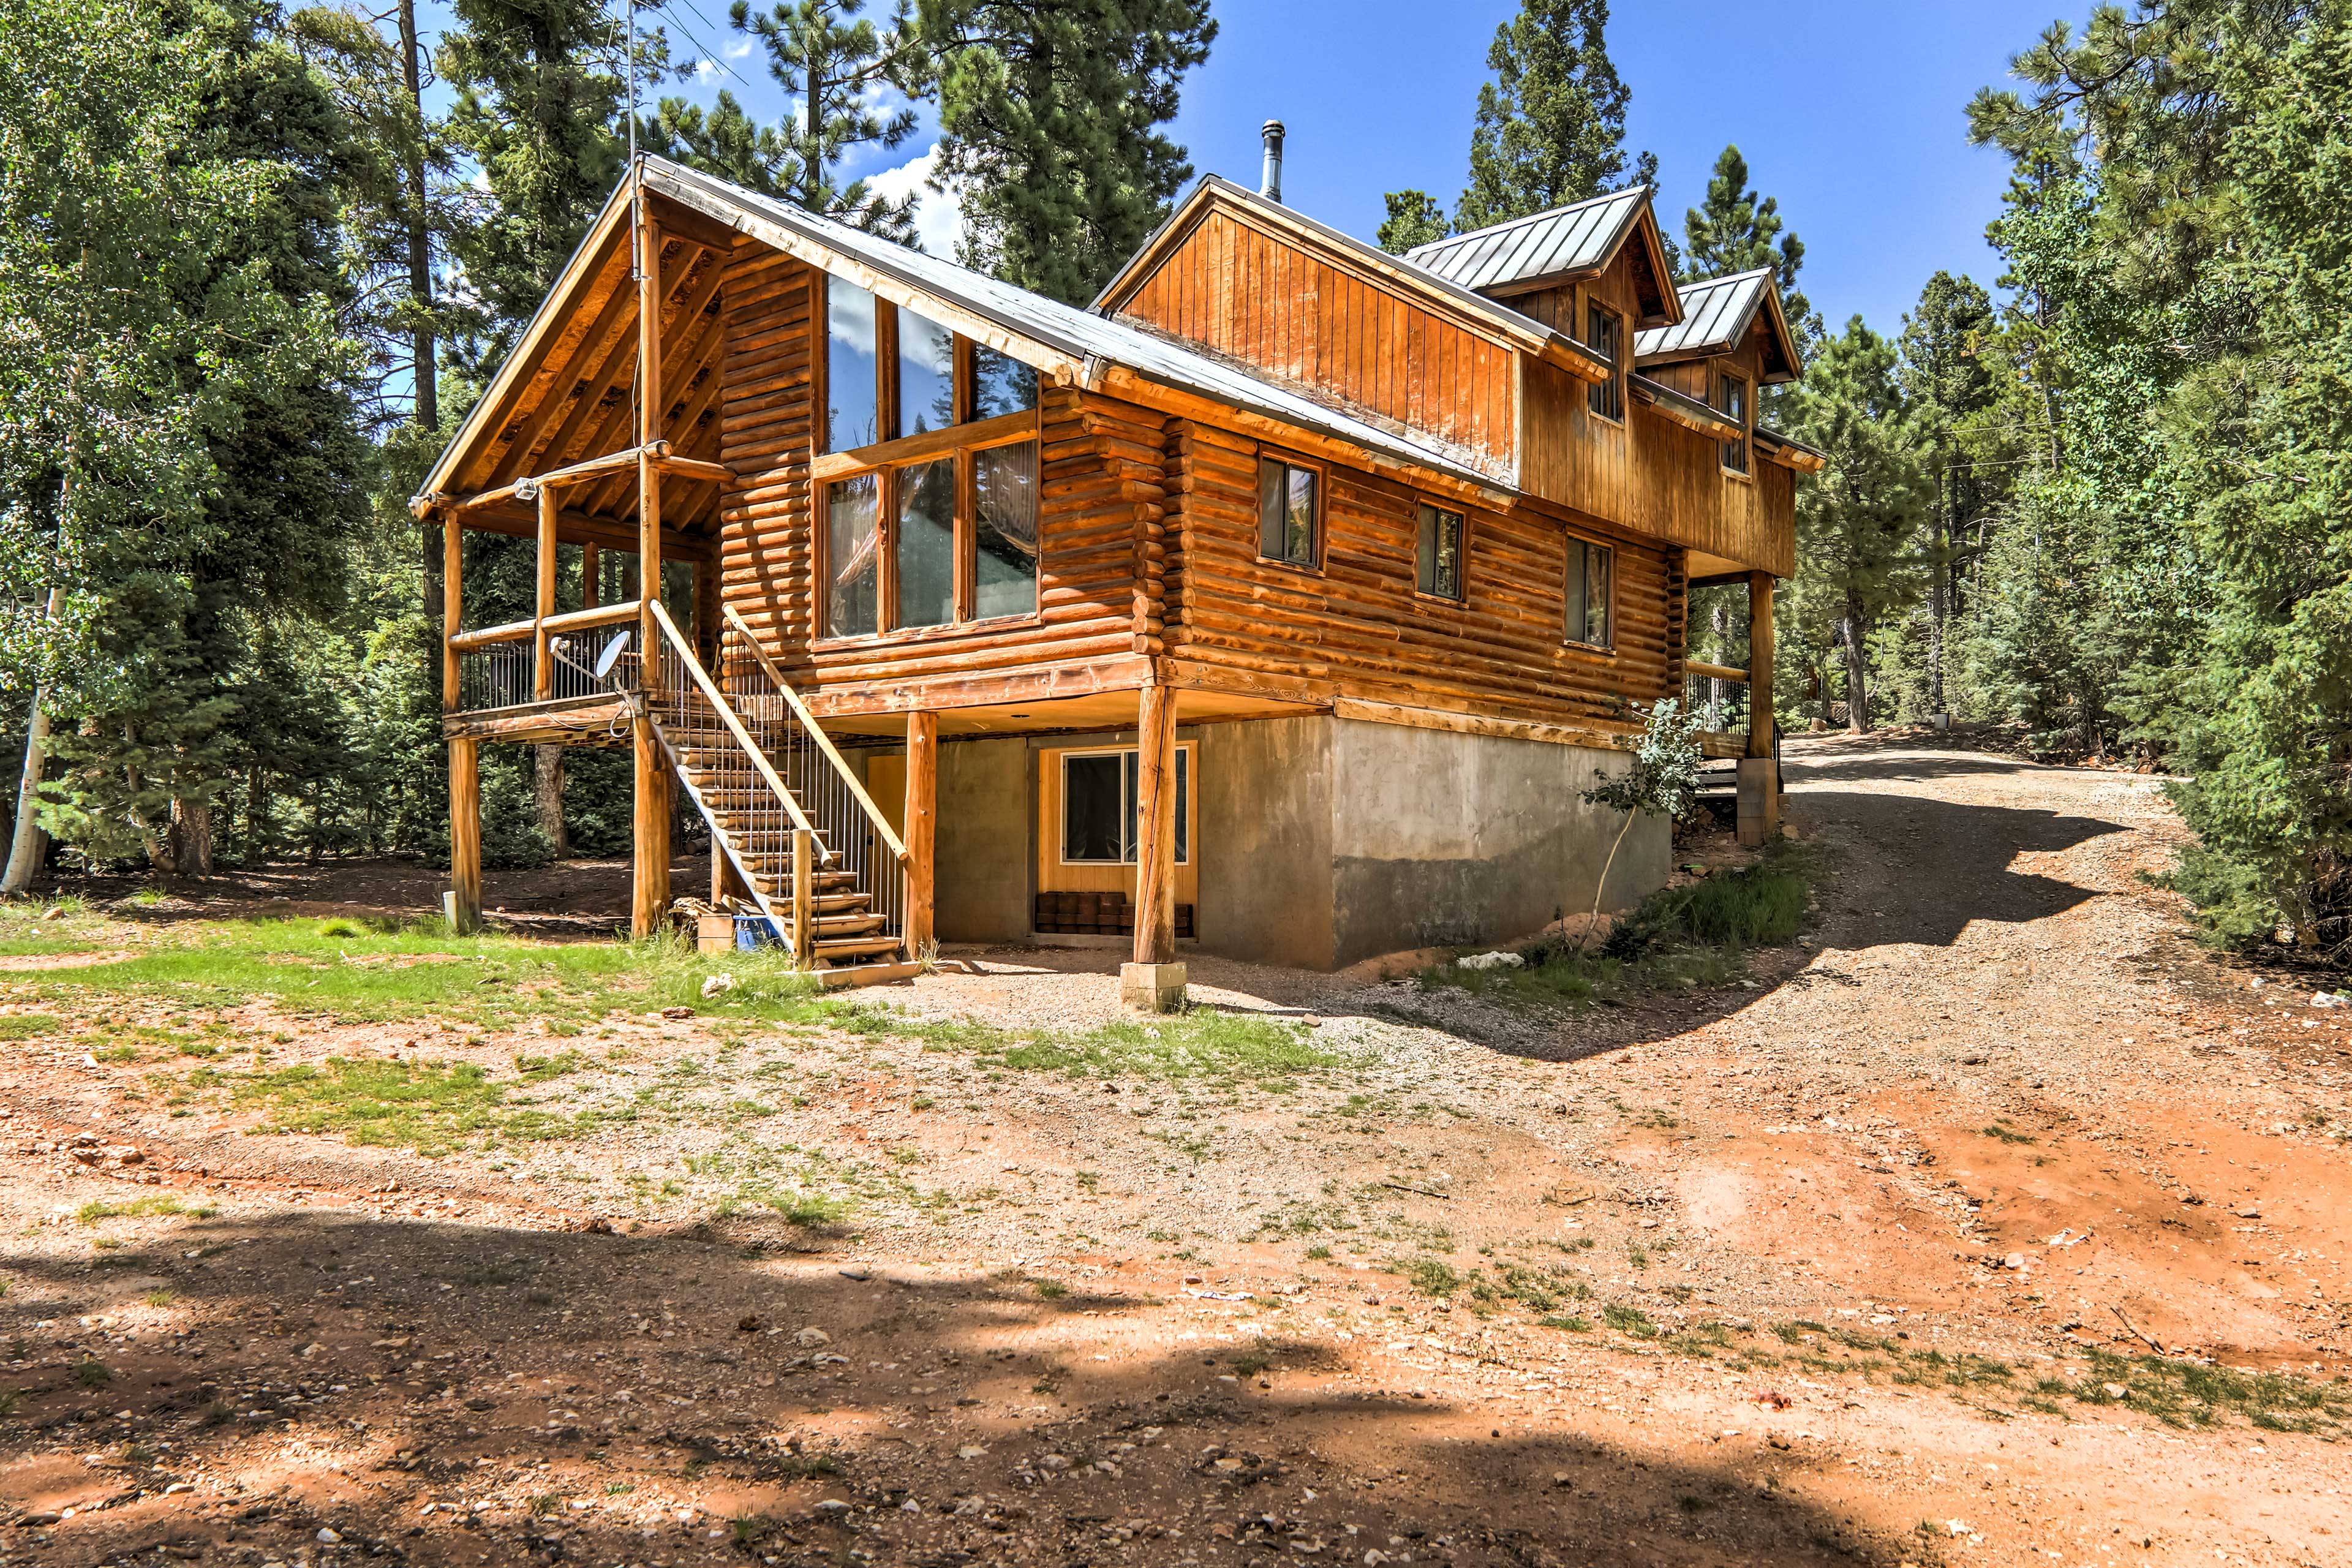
1461 554
1322 472
964 381
1616 385
1609 610
1725 379
887 461
1189 763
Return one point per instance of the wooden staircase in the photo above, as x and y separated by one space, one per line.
773 788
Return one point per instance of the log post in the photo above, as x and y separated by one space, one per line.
466 832
921 836
649 417
649 871
1759 771
453 606
590 574
804 898
542 668
1155 981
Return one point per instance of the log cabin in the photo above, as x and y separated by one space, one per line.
1279 604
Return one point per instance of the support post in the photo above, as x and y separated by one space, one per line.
649 872
453 606
590 571
803 899
922 826
1155 981
542 669
1759 770
649 413
466 833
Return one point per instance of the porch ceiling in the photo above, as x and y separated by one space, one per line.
1094 711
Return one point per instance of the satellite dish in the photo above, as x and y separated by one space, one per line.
612 655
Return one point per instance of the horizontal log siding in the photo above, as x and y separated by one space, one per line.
1249 296
1099 544
1358 630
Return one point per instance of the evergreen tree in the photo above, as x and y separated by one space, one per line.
1414 219
1948 346
1737 229
850 82
1858 521
1050 120
725 140
1550 127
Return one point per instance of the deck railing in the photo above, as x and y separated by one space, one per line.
1716 696
503 666
856 836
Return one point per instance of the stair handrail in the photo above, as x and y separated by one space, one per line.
816 733
727 715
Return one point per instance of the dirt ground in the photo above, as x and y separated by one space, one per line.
1994 1225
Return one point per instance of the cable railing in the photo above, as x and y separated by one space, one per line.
857 838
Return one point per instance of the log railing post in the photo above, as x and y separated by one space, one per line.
922 829
1155 981
543 670
649 870
466 832
649 417
804 898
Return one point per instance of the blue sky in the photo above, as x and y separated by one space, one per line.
1851 114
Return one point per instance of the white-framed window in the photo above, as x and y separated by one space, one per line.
1101 801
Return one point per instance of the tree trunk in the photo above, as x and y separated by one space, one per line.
422 344
190 838
1715 694
1857 670
548 794
29 846
1939 603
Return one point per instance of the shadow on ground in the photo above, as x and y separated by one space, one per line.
339 1373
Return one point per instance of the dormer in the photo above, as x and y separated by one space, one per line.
1536 262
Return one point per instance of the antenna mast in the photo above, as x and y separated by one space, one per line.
637 172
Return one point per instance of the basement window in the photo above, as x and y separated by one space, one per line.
1439 569
1591 581
1101 805
1289 512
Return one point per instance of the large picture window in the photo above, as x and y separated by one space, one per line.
1592 571
926 390
1005 531
1101 806
853 367
1604 334
852 599
1290 513
892 373
933 541
925 545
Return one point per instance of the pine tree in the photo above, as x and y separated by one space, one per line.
1414 219
1050 120
841 70
1550 128
1737 229
1858 521
1948 346
725 140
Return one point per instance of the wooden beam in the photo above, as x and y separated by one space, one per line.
679 221
1707 671
649 838
922 821
619 533
649 413
542 669
466 830
617 306
999 431
804 898
1759 664
1155 828
453 606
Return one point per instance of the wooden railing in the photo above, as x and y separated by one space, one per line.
522 662
858 838
1715 696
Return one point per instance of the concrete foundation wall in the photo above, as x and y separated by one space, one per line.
1445 839
1265 841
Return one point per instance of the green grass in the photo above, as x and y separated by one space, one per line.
1762 905
141 1208
2190 1395
27 1025
432 1108
1202 1044
1431 1275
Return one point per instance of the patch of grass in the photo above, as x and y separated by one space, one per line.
431 1108
1572 1324
1629 1321
91 1373
139 1208
1430 1276
27 1025
1201 1044
1762 905
1050 1290
2185 1393
2001 1130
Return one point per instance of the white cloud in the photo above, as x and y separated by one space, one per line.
705 69
741 51
938 215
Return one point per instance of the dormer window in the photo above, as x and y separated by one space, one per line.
1604 334
1731 402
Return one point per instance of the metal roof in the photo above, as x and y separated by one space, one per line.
1579 237
1052 324
1716 312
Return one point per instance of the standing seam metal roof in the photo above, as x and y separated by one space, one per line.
1062 327
1575 238
1716 311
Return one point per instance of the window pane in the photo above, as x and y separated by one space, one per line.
1000 385
1599 563
1299 540
853 556
1092 791
925 374
1441 551
1005 531
1273 486
1602 327
849 368
926 543
1131 813
1733 402
1184 804
1577 591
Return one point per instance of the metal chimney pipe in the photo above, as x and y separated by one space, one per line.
1269 184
